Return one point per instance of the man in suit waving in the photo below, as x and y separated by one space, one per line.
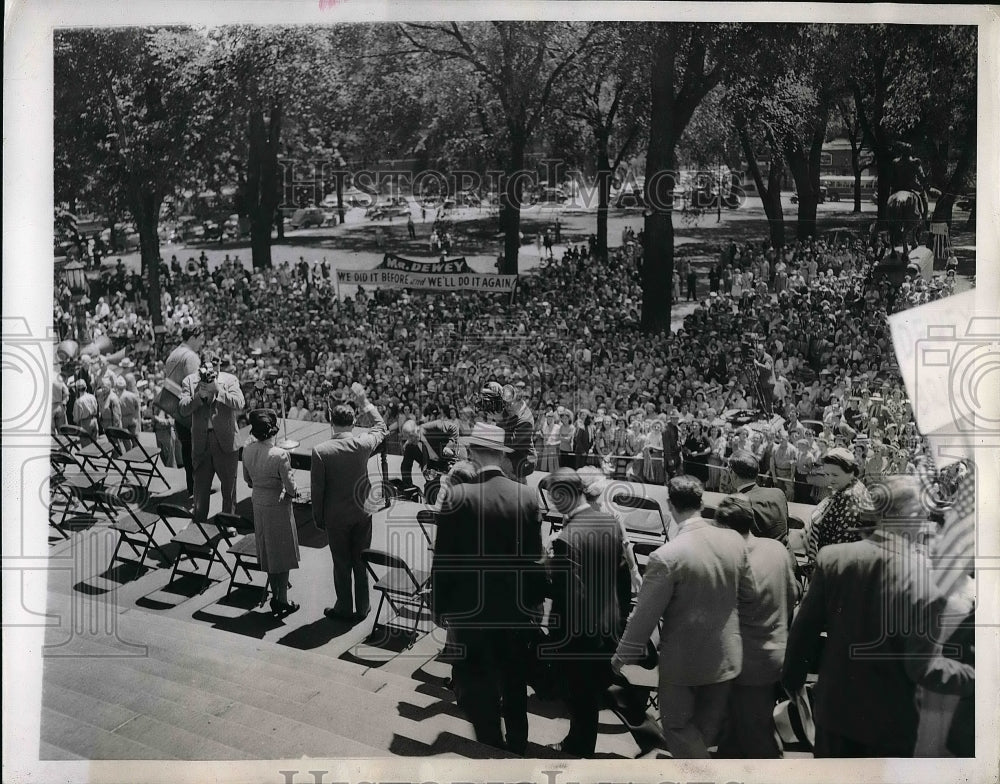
488 586
212 399
341 501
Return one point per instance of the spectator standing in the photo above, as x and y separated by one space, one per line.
487 590
769 504
838 517
882 620
590 590
691 584
764 618
181 363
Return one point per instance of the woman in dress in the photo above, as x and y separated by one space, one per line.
567 432
696 451
268 472
837 519
718 443
548 433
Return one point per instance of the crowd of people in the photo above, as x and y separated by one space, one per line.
779 386
800 335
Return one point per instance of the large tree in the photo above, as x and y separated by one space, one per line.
686 62
604 95
520 64
142 118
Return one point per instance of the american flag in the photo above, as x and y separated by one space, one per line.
956 545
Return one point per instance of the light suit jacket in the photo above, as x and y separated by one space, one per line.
220 413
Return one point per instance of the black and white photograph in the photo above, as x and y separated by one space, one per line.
549 392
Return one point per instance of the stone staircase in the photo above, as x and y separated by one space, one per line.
148 686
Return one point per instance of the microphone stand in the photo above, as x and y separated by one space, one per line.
287 444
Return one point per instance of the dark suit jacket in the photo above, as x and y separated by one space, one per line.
874 600
770 511
339 480
221 413
590 584
487 569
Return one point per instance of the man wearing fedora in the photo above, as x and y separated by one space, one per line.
875 601
488 586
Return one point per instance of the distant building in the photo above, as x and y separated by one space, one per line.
836 158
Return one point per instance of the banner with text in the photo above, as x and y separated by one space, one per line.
444 275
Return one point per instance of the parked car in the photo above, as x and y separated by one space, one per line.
306 217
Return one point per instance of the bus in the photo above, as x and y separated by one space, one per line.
841 187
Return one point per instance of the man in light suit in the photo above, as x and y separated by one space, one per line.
882 617
764 619
341 502
488 586
212 400
770 506
692 583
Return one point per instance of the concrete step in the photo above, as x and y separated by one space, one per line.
264 735
369 719
46 751
85 741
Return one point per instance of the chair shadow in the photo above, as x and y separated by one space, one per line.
186 586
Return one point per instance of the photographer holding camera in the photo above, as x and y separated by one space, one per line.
213 400
518 423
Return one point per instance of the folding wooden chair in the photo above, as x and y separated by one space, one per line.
199 541
244 551
405 590
143 464
643 516
75 484
550 514
427 520
89 451
134 527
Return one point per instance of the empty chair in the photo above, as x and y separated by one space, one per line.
642 516
244 551
89 451
405 589
427 520
142 463
76 485
199 541
135 527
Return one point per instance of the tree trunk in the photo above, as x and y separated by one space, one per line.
146 209
510 203
770 194
805 167
262 183
883 165
340 198
856 168
603 192
944 205
658 235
